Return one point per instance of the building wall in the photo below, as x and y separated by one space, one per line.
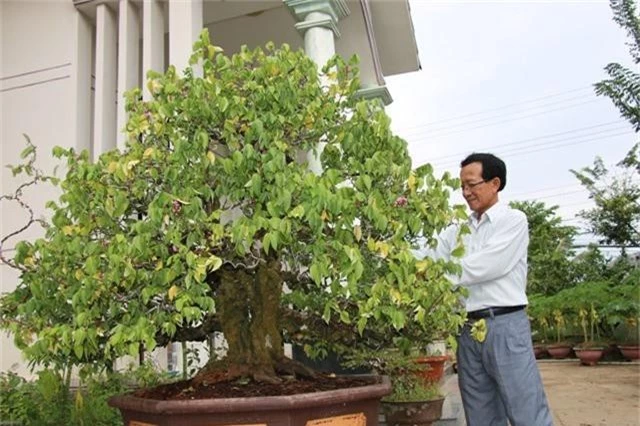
37 86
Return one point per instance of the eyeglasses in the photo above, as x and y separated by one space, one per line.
470 186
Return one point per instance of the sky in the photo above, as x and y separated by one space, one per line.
514 78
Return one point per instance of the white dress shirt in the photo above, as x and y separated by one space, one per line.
494 266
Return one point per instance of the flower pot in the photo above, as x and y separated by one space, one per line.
350 407
419 413
559 351
589 356
630 352
539 351
435 369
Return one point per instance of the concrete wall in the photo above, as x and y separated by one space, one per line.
38 91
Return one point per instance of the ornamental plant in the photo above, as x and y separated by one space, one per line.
211 220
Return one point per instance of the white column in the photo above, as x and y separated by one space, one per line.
104 131
185 25
319 41
128 61
318 21
152 40
81 74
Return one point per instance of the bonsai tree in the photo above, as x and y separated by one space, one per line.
210 219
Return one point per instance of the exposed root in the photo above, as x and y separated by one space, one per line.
292 367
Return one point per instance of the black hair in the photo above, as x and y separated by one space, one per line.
492 167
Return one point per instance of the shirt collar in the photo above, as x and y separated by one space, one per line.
492 213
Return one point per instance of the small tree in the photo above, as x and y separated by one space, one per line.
616 215
209 214
550 248
623 84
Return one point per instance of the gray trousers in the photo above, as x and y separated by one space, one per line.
499 378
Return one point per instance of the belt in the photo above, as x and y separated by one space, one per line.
489 312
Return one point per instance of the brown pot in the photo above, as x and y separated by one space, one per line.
434 373
419 413
630 352
353 407
559 351
539 351
589 356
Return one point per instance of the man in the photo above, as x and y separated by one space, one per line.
498 374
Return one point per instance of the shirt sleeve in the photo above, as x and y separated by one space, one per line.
443 248
506 247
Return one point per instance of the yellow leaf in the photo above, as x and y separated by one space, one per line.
113 166
159 265
78 274
357 232
131 164
383 249
479 330
148 153
211 156
324 216
422 265
396 297
67 230
411 182
173 291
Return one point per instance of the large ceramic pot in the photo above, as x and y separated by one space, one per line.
589 356
630 352
559 351
418 413
435 369
346 407
539 351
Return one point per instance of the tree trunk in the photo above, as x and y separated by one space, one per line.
248 308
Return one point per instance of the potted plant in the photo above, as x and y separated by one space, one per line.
622 313
590 350
538 312
211 220
413 400
560 349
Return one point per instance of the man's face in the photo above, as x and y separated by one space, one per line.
480 195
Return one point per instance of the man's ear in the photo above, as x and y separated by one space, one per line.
495 182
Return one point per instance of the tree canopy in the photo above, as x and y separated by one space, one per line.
211 211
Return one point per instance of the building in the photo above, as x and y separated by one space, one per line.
65 65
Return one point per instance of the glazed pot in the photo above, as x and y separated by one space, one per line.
418 413
539 351
435 369
353 407
630 352
589 356
559 351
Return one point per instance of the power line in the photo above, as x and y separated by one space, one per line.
547 136
551 188
440 135
427 129
501 107
525 150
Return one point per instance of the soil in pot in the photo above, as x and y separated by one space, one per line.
192 389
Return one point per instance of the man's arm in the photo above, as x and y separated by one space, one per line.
443 248
499 255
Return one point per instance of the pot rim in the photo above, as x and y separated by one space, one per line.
264 403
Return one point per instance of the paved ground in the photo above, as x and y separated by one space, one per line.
607 394
592 396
